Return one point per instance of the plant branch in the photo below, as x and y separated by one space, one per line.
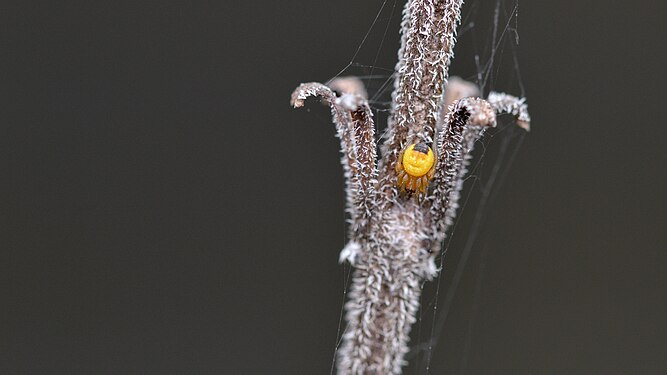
356 130
427 46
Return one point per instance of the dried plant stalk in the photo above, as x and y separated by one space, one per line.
428 34
394 238
356 130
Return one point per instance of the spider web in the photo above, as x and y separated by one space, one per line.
486 54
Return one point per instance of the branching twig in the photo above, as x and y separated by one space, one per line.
395 233
464 125
356 131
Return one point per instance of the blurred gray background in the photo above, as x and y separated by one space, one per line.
155 220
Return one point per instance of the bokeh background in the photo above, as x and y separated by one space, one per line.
164 211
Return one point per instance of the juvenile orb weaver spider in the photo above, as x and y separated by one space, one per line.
415 167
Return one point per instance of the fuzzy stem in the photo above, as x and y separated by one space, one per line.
427 46
384 295
393 238
356 130
392 263
463 126
365 179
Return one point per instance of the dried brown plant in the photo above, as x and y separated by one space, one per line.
395 236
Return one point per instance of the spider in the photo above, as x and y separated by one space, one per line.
394 239
415 167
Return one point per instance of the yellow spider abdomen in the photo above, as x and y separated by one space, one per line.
418 162
415 166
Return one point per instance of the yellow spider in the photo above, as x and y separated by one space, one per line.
415 167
